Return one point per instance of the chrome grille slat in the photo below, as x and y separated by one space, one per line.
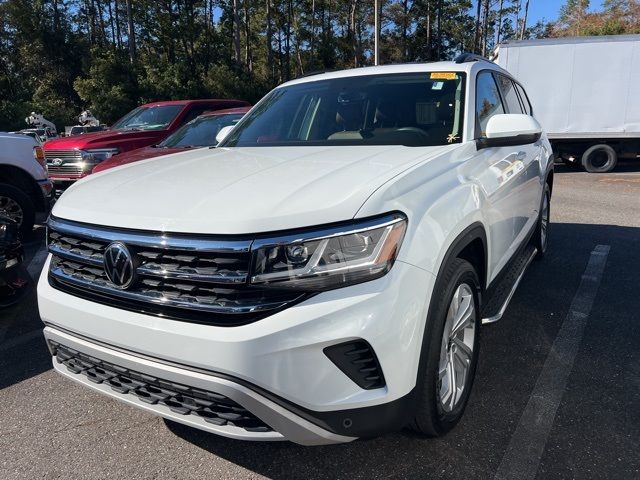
63 154
100 285
177 272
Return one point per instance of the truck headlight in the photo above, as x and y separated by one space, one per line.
331 257
97 155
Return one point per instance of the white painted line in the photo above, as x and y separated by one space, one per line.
522 457
20 339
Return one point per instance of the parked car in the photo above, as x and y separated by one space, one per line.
13 276
200 132
24 184
324 273
72 158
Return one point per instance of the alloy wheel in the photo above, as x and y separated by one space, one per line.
456 351
12 209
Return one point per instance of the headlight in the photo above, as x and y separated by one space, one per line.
330 258
97 155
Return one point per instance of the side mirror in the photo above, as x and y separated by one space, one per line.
223 133
510 129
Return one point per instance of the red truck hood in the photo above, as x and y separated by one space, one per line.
123 139
135 156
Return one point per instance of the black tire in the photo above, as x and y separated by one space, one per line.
28 209
599 159
430 418
541 236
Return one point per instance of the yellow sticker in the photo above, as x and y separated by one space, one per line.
444 75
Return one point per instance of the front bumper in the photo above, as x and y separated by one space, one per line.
274 367
286 425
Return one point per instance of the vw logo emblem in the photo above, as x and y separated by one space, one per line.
56 162
118 265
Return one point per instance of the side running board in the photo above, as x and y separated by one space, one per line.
504 290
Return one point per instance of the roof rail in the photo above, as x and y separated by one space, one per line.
315 72
470 57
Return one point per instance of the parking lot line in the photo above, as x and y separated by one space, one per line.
522 457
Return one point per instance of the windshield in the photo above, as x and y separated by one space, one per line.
200 132
148 118
416 109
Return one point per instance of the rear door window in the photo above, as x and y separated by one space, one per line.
525 100
488 101
508 89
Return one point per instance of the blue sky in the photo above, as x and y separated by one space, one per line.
549 9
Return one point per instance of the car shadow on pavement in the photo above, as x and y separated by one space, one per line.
23 352
513 353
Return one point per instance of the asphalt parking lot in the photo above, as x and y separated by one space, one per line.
557 392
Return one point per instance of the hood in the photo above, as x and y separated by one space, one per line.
135 156
239 190
123 139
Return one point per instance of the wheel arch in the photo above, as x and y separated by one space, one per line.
20 178
470 245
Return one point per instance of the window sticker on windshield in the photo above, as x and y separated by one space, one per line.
444 76
437 85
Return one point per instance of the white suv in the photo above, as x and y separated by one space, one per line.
324 273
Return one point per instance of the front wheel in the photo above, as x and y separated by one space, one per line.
452 352
16 205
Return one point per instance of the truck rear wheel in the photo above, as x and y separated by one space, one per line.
599 159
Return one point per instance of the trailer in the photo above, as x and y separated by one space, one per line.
585 92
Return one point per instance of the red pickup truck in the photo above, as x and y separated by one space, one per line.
72 158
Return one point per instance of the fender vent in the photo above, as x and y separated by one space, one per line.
358 361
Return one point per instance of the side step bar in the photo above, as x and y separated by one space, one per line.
503 293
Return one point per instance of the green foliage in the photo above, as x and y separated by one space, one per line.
62 56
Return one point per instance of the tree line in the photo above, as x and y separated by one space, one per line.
62 56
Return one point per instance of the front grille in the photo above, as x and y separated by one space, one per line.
71 166
200 279
210 406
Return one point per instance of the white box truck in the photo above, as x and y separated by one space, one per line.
585 92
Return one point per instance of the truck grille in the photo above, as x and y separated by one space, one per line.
200 279
71 166
210 406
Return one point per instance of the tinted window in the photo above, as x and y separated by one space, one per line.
488 101
149 118
194 112
509 94
525 99
416 109
201 132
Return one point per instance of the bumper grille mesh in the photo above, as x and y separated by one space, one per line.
211 407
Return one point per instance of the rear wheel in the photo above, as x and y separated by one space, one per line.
452 352
599 159
16 205
541 236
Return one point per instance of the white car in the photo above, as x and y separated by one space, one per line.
25 188
324 273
